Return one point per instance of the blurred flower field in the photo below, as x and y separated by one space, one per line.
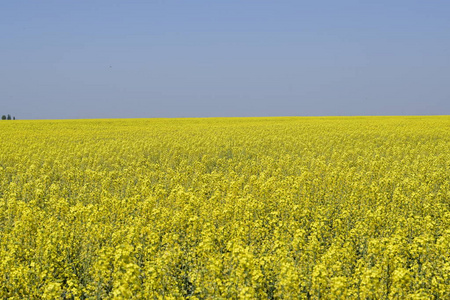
226 208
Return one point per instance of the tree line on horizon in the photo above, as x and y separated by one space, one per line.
4 117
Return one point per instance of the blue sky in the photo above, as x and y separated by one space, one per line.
138 59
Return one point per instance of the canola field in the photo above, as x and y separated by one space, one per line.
226 208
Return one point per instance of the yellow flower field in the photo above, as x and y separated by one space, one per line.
226 208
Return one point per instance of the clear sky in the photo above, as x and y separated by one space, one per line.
137 59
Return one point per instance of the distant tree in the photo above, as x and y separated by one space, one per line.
9 117
14 118
3 117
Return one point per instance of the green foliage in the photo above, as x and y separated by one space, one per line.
4 117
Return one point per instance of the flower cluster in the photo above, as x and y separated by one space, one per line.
238 208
